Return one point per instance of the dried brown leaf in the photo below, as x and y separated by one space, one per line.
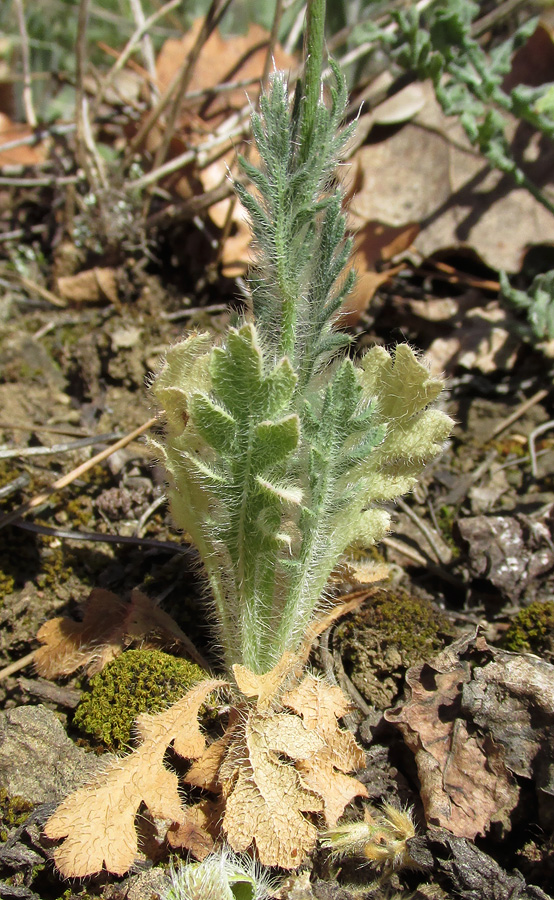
98 821
320 705
204 772
108 626
427 172
195 831
465 783
91 286
68 645
266 800
265 687
281 765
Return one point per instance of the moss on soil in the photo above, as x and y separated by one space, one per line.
393 632
532 630
13 812
137 681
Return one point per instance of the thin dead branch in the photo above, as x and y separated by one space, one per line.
26 62
125 54
62 482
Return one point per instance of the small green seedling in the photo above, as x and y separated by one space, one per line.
280 448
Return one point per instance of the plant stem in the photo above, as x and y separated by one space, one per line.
311 94
313 54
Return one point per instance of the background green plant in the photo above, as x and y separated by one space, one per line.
438 44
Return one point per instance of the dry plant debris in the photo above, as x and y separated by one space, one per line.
109 625
427 176
98 821
280 758
476 718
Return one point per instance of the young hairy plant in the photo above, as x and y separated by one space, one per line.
279 447
281 450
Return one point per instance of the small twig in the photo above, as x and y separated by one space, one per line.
62 482
40 181
81 64
188 209
16 666
193 311
444 555
518 412
38 136
48 429
188 156
546 426
90 145
424 562
96 537
33 288
107 81
296 31
19 233
453 276
20 452
17 484
401 547
327 656
520 461
26 61
349 688
149 511
146 42
52 693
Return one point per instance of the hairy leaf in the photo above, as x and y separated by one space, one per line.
98 821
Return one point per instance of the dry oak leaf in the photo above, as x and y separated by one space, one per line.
321 705
108 626
264 793
98 821
465 783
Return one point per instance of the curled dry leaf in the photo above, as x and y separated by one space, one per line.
108 626
195 830
98 821
68 645
320 706
265 797
476 717
265 687
96 285
279 766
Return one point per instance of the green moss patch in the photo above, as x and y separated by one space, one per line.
532 630
137 681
